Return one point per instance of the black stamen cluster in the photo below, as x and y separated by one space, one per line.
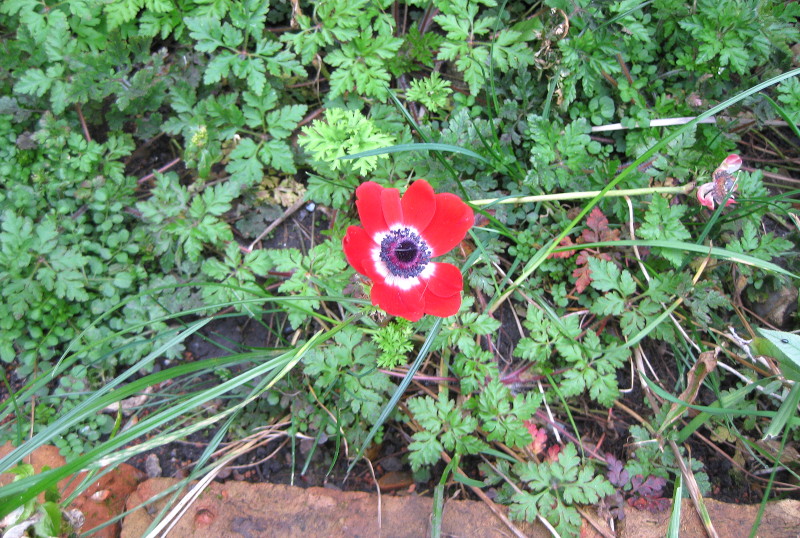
405 253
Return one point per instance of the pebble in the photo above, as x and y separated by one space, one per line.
152 467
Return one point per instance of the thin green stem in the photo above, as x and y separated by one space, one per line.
686 189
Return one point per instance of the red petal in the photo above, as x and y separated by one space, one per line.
368 201
419 205
449 225
442 306
396 302
704 195
731 163
358 245
392 210
445 282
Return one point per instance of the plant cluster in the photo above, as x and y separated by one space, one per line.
145 147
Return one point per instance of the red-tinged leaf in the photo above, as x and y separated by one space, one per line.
653 505
566 242
659 504
583 273
638 502
596 225
482 220
597 228
552 453
617 474
539 438
649 487
588 236
597 221
609 235
583 276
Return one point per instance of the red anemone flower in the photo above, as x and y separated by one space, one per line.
722 182
396 244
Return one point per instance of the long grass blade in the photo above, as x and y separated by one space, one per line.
673 531
432 146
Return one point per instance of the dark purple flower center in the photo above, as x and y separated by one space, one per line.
405 253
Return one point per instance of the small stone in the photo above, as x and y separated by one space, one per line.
306 445
203 518
152 466
74 518
391 463
100 496
393 481
780 306
224 473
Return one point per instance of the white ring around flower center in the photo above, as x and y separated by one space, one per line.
404 283
379 236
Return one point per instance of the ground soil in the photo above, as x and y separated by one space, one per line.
609 434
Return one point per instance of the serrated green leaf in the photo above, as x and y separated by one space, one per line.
278 155
215 269
245 167
605 274
123 280
121 11
207 31
610 304
627 285
33 82
282 122
663 222
258 261
218 68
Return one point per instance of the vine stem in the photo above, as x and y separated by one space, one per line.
685 189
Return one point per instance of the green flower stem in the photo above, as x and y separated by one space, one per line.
686 189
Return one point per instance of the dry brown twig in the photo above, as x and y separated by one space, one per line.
274 224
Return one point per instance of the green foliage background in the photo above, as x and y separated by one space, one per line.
96 253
